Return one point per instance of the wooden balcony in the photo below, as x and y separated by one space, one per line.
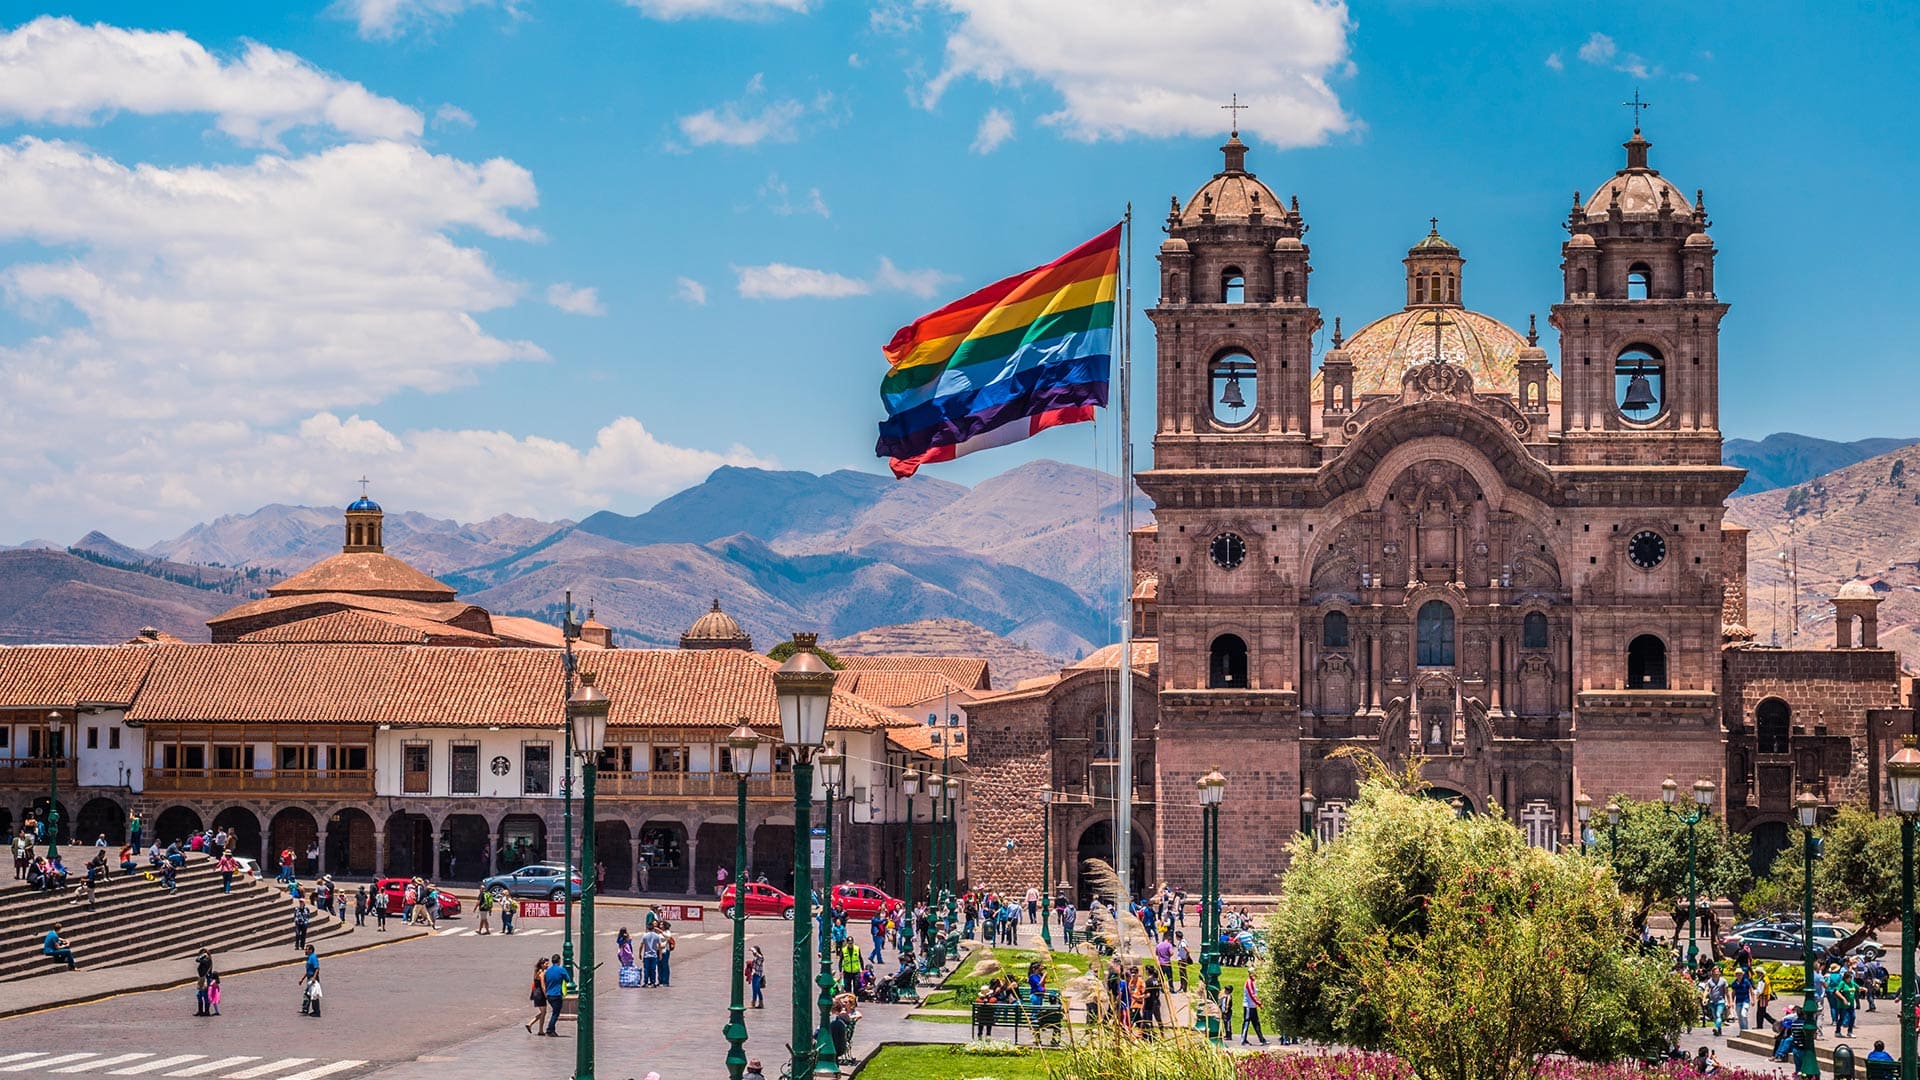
261 781
692 785
35 772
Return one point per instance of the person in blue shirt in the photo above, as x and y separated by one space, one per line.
1880 1052
556 986
310 985
56 946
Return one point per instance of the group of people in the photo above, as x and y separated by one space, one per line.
653 949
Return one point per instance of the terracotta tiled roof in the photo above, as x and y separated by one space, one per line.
711 688
1146 654
520 630
63 676
918 739
437 611
373 572
895 689
366 628
969 672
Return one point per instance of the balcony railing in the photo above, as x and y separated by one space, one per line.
266 781
692 784
33 771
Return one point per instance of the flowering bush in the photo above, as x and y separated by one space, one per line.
1356 1065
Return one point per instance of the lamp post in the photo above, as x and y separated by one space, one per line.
909 786
833 764
1308 803
1703 805
587 710
569 632
1904 768
953 867
804 688
1582 813
1613 828
1213 790
936 871
1046 865
1807 1064
743 744
55 751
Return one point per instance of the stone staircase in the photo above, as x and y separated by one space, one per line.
135 920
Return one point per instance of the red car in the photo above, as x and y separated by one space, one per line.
761 900
396 890
861 901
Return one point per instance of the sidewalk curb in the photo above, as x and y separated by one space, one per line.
176 984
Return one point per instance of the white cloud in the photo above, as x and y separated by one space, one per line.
386 19
995 128
452 116
1129 67
575 299
733 124
689 291
783 281
719 9
1554 62
776 195
1598 49
57 71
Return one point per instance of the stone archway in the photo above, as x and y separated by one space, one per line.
772 855
38 811
243 836
409 845
294 829
101 817
613 854
663 846
466 848
1096 842
715 841
349 843
522 840
175 823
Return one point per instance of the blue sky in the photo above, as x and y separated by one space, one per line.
544 258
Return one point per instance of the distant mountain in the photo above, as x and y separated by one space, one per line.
292 538
1783 458
779 507
1008 662
1859 521
56 597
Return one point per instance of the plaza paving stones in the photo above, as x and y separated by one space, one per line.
149 1063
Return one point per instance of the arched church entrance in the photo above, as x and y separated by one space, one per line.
1096 842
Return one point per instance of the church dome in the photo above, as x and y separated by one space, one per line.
1384 350
363 505
1234 194
715 630
1855 590
1637 189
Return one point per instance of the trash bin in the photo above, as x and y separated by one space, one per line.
1843 1062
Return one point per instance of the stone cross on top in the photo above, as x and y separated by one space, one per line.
1234 109
363 486
1638 107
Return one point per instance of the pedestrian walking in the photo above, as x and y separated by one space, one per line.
1762 994
1250 1013
228 866
360 906
301 916
380 904
310 985
1714 993
757 977
537 1025
509 907
556 988
1033 904
202 971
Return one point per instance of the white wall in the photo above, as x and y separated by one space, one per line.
105 766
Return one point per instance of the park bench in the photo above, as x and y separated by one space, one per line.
1882 1070
1049 1016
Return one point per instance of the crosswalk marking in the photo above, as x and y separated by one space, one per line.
61 1059
117 1059
270 1067
451 932
324 1070
156 1066
214 1066
4 1058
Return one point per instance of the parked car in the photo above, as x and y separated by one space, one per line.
761 900
1767 943
861 901
250 868
540 881
396 890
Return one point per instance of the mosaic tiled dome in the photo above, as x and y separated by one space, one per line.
1384 349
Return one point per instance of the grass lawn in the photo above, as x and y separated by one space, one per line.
949 1063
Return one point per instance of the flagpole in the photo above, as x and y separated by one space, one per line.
1123 793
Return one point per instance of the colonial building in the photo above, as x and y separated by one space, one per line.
364 710
1439 543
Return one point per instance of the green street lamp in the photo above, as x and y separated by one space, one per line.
936 872
1582 813
742 745
1806 1063
953 868
833 766
1213 791
1308 803
56 750
1046 865
804 688
1614 814
1703 807
909 786
587 711
1904 768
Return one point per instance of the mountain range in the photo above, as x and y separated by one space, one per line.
1029 558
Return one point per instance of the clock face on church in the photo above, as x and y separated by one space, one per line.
1647 549
1228 551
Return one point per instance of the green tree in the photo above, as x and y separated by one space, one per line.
1650 862
779 654
1452 943
1857 873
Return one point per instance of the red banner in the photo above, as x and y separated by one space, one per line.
539 909
683 912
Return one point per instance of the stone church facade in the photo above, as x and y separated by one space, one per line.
1439 543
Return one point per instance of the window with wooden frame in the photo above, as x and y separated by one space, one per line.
231 758
355 757
671 759
416 768
463 768
536 768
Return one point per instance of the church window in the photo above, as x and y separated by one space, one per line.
1333 630
1420 289
1449 281
1233 388
1286 286
1772 724
1647 663
1533 631
1233 286
1699 279
1639 282
1434 631
1580 280
1106 744
1227 663
1639 383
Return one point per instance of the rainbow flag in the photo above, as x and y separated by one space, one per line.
1022 355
